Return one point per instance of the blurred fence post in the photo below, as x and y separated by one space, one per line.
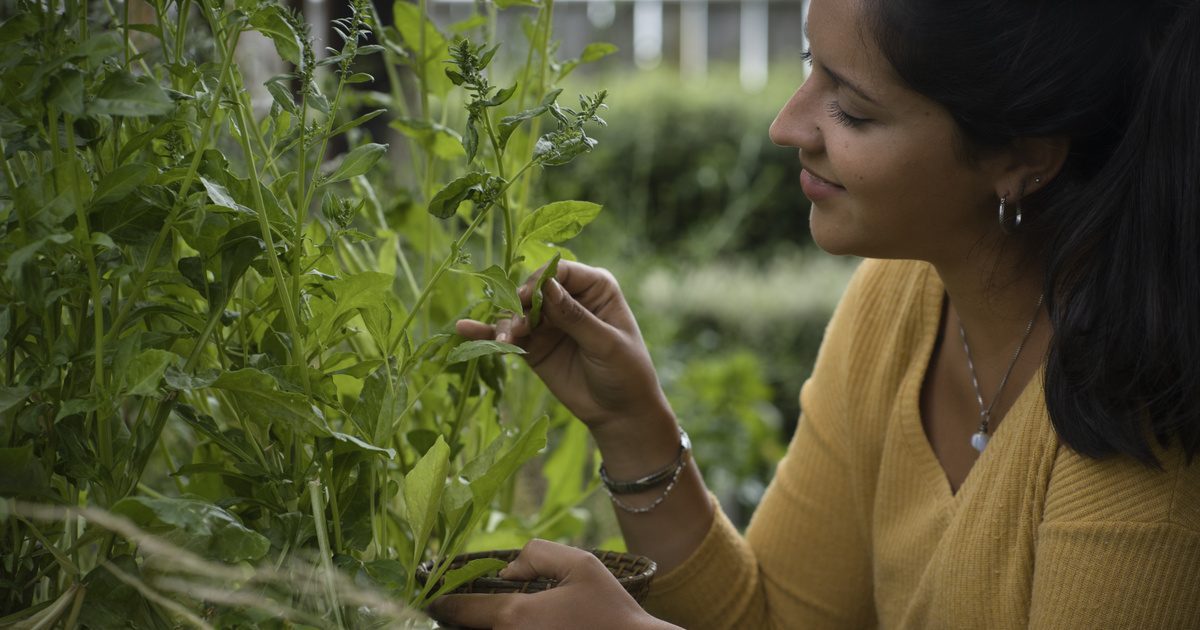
755 47
693 38
647 33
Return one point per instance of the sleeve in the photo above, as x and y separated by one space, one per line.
805 559
1119 545
1116 575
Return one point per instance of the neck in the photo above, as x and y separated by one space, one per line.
995 299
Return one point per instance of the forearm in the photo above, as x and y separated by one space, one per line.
672 530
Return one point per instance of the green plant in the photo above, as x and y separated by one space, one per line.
242 348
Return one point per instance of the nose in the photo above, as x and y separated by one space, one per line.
796 125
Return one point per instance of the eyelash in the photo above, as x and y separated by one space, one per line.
835 110
841 117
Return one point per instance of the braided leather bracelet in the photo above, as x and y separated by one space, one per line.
668 475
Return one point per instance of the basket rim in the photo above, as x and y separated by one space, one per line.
426 568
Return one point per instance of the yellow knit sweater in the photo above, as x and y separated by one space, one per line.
859 528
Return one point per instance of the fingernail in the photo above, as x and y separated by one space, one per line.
502 337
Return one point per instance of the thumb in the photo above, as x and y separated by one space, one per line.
582 325
544 559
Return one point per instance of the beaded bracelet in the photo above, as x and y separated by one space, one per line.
668 475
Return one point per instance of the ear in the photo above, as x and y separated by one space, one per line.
1028 165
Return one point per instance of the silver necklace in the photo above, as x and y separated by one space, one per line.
979 440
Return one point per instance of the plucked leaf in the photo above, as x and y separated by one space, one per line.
535 310
472 349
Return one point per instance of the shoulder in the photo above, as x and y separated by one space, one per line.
1122 490
888 304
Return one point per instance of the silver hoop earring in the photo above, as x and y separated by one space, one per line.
1017 219
1003 209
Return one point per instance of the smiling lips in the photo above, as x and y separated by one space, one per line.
816 187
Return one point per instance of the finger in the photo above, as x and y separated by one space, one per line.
471 611
504 331
565 312
472 329
542 558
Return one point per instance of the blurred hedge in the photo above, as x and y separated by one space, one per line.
686 168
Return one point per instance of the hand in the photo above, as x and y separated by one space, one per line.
587 349
587 596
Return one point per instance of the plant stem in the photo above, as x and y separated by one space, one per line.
83 236
289 301
318 513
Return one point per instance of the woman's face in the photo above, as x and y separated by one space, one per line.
879 161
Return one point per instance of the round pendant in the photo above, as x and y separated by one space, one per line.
979 441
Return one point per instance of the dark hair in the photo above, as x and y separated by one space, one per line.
1118 228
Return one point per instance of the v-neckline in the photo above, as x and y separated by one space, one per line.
933 305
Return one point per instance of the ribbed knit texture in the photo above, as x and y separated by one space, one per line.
860 529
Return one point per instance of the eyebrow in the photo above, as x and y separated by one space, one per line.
837 78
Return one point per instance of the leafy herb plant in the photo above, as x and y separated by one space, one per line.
229 391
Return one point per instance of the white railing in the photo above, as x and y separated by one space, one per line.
694 34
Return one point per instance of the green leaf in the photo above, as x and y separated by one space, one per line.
359 77
220 196
597 51
445 203
407 16
357 162
187 382
566 470
344 127
282 94
531 441
200 526
143 374
557 222
379 407
423 487
99 47
119 183
535 310
66 91
12 396
501 97
469 572
439 139
261 401
592 53
502 290
22 473
123 95
362 445
472 349
270 22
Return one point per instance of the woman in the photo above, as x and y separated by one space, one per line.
1000 427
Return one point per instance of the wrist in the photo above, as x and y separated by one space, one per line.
633 447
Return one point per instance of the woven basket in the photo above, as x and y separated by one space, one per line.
633 572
